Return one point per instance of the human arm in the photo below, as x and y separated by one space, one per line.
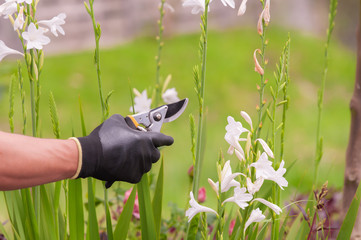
114 151
27 161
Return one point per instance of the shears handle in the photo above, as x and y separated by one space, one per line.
130 120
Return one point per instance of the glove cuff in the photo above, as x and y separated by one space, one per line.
80 158
91 155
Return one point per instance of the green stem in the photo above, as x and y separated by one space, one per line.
198 165
160 47
319 153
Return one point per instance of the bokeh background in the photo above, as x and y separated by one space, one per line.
129 28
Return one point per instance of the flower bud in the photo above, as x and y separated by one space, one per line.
190 172
257 67
202 195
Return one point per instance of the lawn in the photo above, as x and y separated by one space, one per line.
230 88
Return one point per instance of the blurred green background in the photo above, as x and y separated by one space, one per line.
230 87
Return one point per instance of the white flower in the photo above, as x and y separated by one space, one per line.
167 5
266 148
234 130
263 167
170 96
242 8
247 118
26 1
141 102
197 5
278 178
256 216
240 197
196 208
55 24
19 21
8 8
35 37
254 187
4 50
227 179
228 2
272 206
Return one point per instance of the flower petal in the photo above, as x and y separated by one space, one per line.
242 8
272 206
266 148
247 118
256 216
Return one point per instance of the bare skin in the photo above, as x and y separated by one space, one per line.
28 161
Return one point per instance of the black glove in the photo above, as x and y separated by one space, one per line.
117 151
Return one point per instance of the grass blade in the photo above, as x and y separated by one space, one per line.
46 216
121 229
158 198
76 212
146 210
92 228
349 221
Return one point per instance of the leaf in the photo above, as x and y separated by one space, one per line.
92 228
122 227
145 209
193 228
350 218
295 228
157 199
46 216
76 212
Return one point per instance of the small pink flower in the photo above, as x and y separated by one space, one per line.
202 195
136 203
231 226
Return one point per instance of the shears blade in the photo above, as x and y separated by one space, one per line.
154 119
175 110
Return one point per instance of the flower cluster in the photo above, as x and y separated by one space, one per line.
244 192
27 27
143 104
199 6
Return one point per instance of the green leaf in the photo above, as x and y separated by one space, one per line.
193 228
121 229
46 216
145 210
294 231
76 212
349 221
158 198
92 229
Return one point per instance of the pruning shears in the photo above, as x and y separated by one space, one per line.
153 120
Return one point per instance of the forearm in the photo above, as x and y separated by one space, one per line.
27 161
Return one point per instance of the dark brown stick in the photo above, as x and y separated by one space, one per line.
353 154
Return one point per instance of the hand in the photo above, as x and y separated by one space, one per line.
116 151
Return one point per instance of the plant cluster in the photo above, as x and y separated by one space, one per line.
38 213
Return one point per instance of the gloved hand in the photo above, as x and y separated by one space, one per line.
117 151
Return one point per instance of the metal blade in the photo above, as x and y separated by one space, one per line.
175 110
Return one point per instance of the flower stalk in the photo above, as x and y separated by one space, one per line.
160 43
200 79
